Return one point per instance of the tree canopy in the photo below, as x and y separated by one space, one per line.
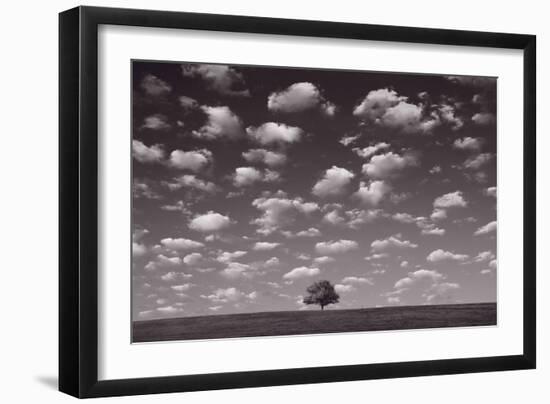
321 293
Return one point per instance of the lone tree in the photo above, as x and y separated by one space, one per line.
321 293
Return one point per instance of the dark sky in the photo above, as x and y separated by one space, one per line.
252 182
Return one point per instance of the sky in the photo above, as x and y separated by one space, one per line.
252 182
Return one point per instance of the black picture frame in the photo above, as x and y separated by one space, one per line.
78 201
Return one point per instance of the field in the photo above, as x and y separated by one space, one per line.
315 322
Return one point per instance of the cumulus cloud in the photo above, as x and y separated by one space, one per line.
221 124
433 231
468 143
162 261
246 176
154 86
279 212
450 200
192 259
311 232
335 247
376 103
484 118
372 193
177 244
301 272
477 162
194 160
488 228
386 108
484 256
209 222
299 97
145 154
388 165
333 217
191 181
267 157
264 246
271 133
349 139
173 275
170 309
391 242
417 276
442 255
222 79
438 214
188 103
138 249
369 151
227 256
491 191
182 288
323 260
333 183
235 270
141 189
225 295
340 288
357 280
156 122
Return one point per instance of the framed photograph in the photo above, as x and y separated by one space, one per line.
252 201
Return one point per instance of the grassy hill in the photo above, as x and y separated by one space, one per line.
314 322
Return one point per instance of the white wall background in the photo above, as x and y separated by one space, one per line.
28 207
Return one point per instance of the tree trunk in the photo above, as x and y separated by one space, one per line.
322 307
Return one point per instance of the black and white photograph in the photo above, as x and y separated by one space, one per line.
273 201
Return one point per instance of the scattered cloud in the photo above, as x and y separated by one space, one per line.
369 151
391 242
264 246
468 143
335 247
442 255
222 79
279 212
334 182
301 272
154 86
193 258
192 182
247 176
194 160
221 124
348 139
300 97
267 157
478 161
156 122
323 260
145 154
227 256
271 133
491 191
488 228
178 244
388 165
357 280
209 222
372 193
484 118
